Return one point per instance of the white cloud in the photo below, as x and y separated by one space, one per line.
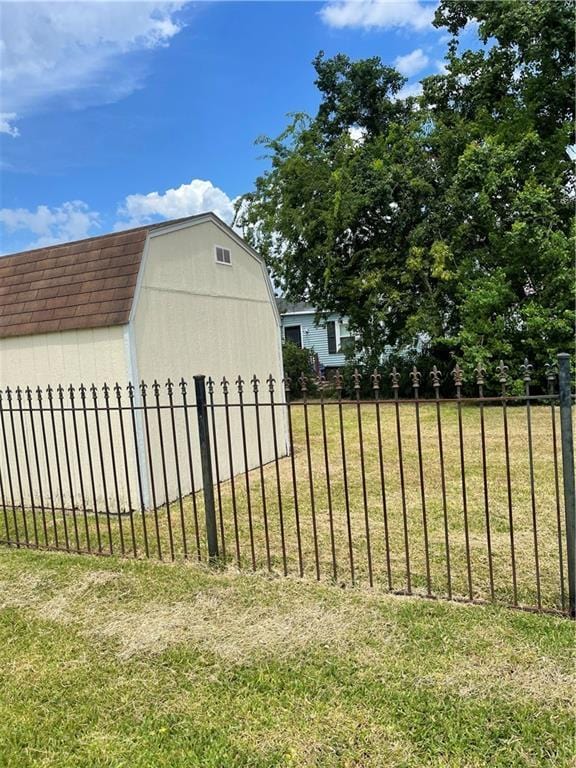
6 120
70 221
369 14
411 89
357 134
75 220
198 196
411 63
73 51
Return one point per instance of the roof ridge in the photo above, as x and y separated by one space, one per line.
116 233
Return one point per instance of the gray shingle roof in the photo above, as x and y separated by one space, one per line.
285 306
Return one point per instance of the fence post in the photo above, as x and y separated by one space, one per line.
567 440
206 460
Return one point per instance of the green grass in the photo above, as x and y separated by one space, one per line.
318 536
545 499
107 662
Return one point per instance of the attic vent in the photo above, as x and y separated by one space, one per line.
223 255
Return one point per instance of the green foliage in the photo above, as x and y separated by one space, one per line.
452 222
298 361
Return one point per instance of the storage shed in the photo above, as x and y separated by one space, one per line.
163 301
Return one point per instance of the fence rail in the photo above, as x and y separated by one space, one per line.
464 497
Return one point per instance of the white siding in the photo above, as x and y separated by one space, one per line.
68 357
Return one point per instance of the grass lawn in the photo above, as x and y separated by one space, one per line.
333 542
110 662
369 519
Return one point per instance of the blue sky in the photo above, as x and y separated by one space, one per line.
114 114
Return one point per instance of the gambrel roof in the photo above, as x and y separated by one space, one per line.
85 284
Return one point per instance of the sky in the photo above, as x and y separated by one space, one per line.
117 114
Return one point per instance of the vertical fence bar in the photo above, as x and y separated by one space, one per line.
415 376
184 389
82 390
206 460
5 511
60 390
143 388
395 378
156 390
71 392
271 382
287 383
27 465
130 389
17 461
304 389
321 382
106 390
210 385
568 474
338 385
480 374
170 390
9 471
551 373
457 376
48 470
118 393
356 376
240 387
502 371
225 392
526 369
94 392
435 375
255 382
37 465
49 392
376 377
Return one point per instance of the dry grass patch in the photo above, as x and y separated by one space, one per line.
235 634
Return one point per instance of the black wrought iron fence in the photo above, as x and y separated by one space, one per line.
461 497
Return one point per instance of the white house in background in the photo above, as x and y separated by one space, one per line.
167 300
330 338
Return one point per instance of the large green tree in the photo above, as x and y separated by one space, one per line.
449 215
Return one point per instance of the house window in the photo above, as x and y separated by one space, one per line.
223 255
331 330
293 333
347 345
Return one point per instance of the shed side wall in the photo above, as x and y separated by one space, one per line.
196 316
65 358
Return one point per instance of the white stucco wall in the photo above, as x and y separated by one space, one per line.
196 316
